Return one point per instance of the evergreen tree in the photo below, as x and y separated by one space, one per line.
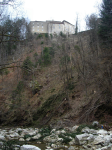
105 28
76 26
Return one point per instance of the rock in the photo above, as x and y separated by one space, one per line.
28 139
81 139
90 138
71 148
93 148
58 132
95 123
53 145
63 131
85 130
89 146
2 137
53 130
107 139
14 135
74 128
92 131
1 143
36 136
72 142
29 147
102 132
98 140
21 139
60 140
85 147
51 139
49 149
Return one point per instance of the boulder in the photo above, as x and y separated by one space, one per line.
98 140
63 131
85 130
36 136
74 128
91 138
81 139
71 148
92 131
29 147
2 137
102 132
95 123
14 135
21 139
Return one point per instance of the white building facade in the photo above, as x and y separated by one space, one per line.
52 27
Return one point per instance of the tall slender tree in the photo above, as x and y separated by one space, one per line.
105 28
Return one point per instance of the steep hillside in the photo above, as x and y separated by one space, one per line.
57 81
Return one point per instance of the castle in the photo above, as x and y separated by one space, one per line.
51 27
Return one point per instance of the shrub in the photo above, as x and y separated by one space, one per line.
17 92
51 36
27 66
66 139
4 71
36 87
70 86
42 42
39 36
62 34
46 56
46 35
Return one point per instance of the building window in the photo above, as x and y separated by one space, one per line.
59 26
42 26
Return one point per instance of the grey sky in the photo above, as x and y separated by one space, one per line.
41 10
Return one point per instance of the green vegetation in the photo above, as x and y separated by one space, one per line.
66 136
51 36
46 35
35 87
27 66
10 145
46 56
70 85
79 129
62 34
31 50
27 136
66 139
49 105
39 36
52 90
35 54
16 94
105 28
4 71
42 42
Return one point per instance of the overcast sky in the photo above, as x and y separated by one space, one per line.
59 10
